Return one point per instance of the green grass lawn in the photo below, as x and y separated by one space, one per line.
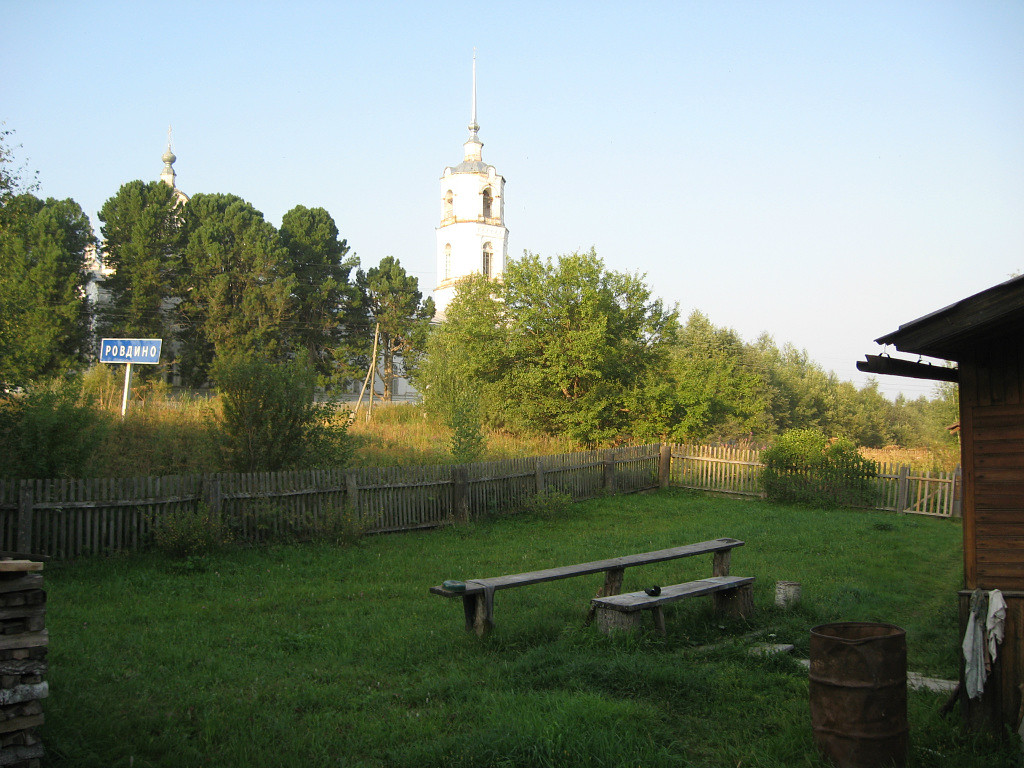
310 655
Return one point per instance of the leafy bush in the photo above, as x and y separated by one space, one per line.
549 503
468 442
804 467
189 533
269 420
49 431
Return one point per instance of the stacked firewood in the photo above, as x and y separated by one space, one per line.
23 641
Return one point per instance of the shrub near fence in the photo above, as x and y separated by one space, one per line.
737 471
69 518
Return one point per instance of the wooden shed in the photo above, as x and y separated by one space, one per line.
984 335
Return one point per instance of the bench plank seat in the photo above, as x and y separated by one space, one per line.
622 611
639 601
476 586
478 595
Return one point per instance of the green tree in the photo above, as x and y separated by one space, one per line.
708 390
237 287
393 300
325 299
143 237
269 419
44 315
928 422
802 393
466 353
49 431
863 415
555 347
11 178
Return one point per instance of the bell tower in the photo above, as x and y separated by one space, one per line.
472 237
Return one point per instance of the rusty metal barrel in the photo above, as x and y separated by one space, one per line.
858 693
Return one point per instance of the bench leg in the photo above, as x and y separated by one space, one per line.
720 563
735 602
612 586
609 621
475 609
659 619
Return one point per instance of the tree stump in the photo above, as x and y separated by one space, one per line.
609 621
737 602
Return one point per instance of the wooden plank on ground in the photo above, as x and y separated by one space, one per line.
10 566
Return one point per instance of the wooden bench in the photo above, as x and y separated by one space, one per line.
478 595
622 612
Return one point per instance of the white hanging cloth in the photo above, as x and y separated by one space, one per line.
985 631
974 647
995 623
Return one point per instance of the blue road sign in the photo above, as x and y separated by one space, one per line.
130 351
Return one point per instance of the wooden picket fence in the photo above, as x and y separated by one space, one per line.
899 489
66 519
722 469
737 471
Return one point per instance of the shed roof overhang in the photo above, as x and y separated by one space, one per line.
989 316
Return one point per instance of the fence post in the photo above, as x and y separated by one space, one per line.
903 489
956 507
460 493
352 494
210 491
540 476
24 543
609 471
665 465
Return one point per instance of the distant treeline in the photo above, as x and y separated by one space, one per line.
567 347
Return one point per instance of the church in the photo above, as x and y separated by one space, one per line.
472 237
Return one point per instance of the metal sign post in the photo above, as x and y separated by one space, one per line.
130 351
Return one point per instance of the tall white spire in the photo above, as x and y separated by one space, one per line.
473 146
472 124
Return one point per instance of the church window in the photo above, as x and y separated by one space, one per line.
488 199
488 256
447 260
449 205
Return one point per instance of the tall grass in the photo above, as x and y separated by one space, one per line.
160 437
319 656
408 434
939 459
167 433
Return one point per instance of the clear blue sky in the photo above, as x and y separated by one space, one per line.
821 171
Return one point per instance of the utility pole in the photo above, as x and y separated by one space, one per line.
369 375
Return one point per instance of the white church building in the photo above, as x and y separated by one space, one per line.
472 237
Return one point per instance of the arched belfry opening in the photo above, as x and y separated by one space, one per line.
488 200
